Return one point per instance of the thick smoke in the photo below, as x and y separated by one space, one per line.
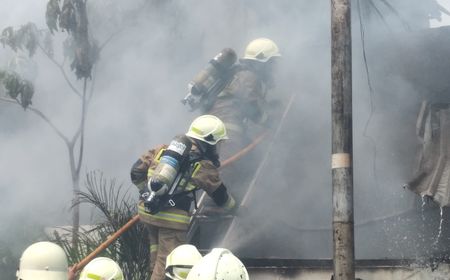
156 47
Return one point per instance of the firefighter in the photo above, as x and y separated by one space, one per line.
43 261
181 260
167 227
102 268
244 100
219 264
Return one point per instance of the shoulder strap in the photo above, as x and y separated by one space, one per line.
194 166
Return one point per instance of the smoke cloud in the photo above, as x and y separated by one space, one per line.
154 48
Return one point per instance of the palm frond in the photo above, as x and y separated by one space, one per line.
116 207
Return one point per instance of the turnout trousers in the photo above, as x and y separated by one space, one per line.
162 242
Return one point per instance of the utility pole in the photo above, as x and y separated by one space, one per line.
342 147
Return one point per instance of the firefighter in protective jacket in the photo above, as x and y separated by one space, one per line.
236 92
243 100
167 227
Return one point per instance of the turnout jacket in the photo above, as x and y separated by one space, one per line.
205 176
242 99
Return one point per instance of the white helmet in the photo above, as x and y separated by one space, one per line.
208 128
261 49
43 261
180 261
219 264
101 269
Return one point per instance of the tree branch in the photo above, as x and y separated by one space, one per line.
100 48
91 90
61 68
138 10
42 116
83 117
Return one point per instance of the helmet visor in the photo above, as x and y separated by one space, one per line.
178 272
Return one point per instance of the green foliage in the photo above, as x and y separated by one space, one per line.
68 17
27 37
51 15
24 38
72 17
116 208
17 88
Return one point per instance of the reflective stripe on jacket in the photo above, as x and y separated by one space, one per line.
169 218
205 176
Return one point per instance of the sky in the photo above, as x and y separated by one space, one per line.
143 73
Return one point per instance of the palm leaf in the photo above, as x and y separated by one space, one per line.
115 207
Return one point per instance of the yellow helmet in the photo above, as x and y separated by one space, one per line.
180 261
102 268
208 128
43 261
261 49
219 264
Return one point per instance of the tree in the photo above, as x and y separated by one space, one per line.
71 17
